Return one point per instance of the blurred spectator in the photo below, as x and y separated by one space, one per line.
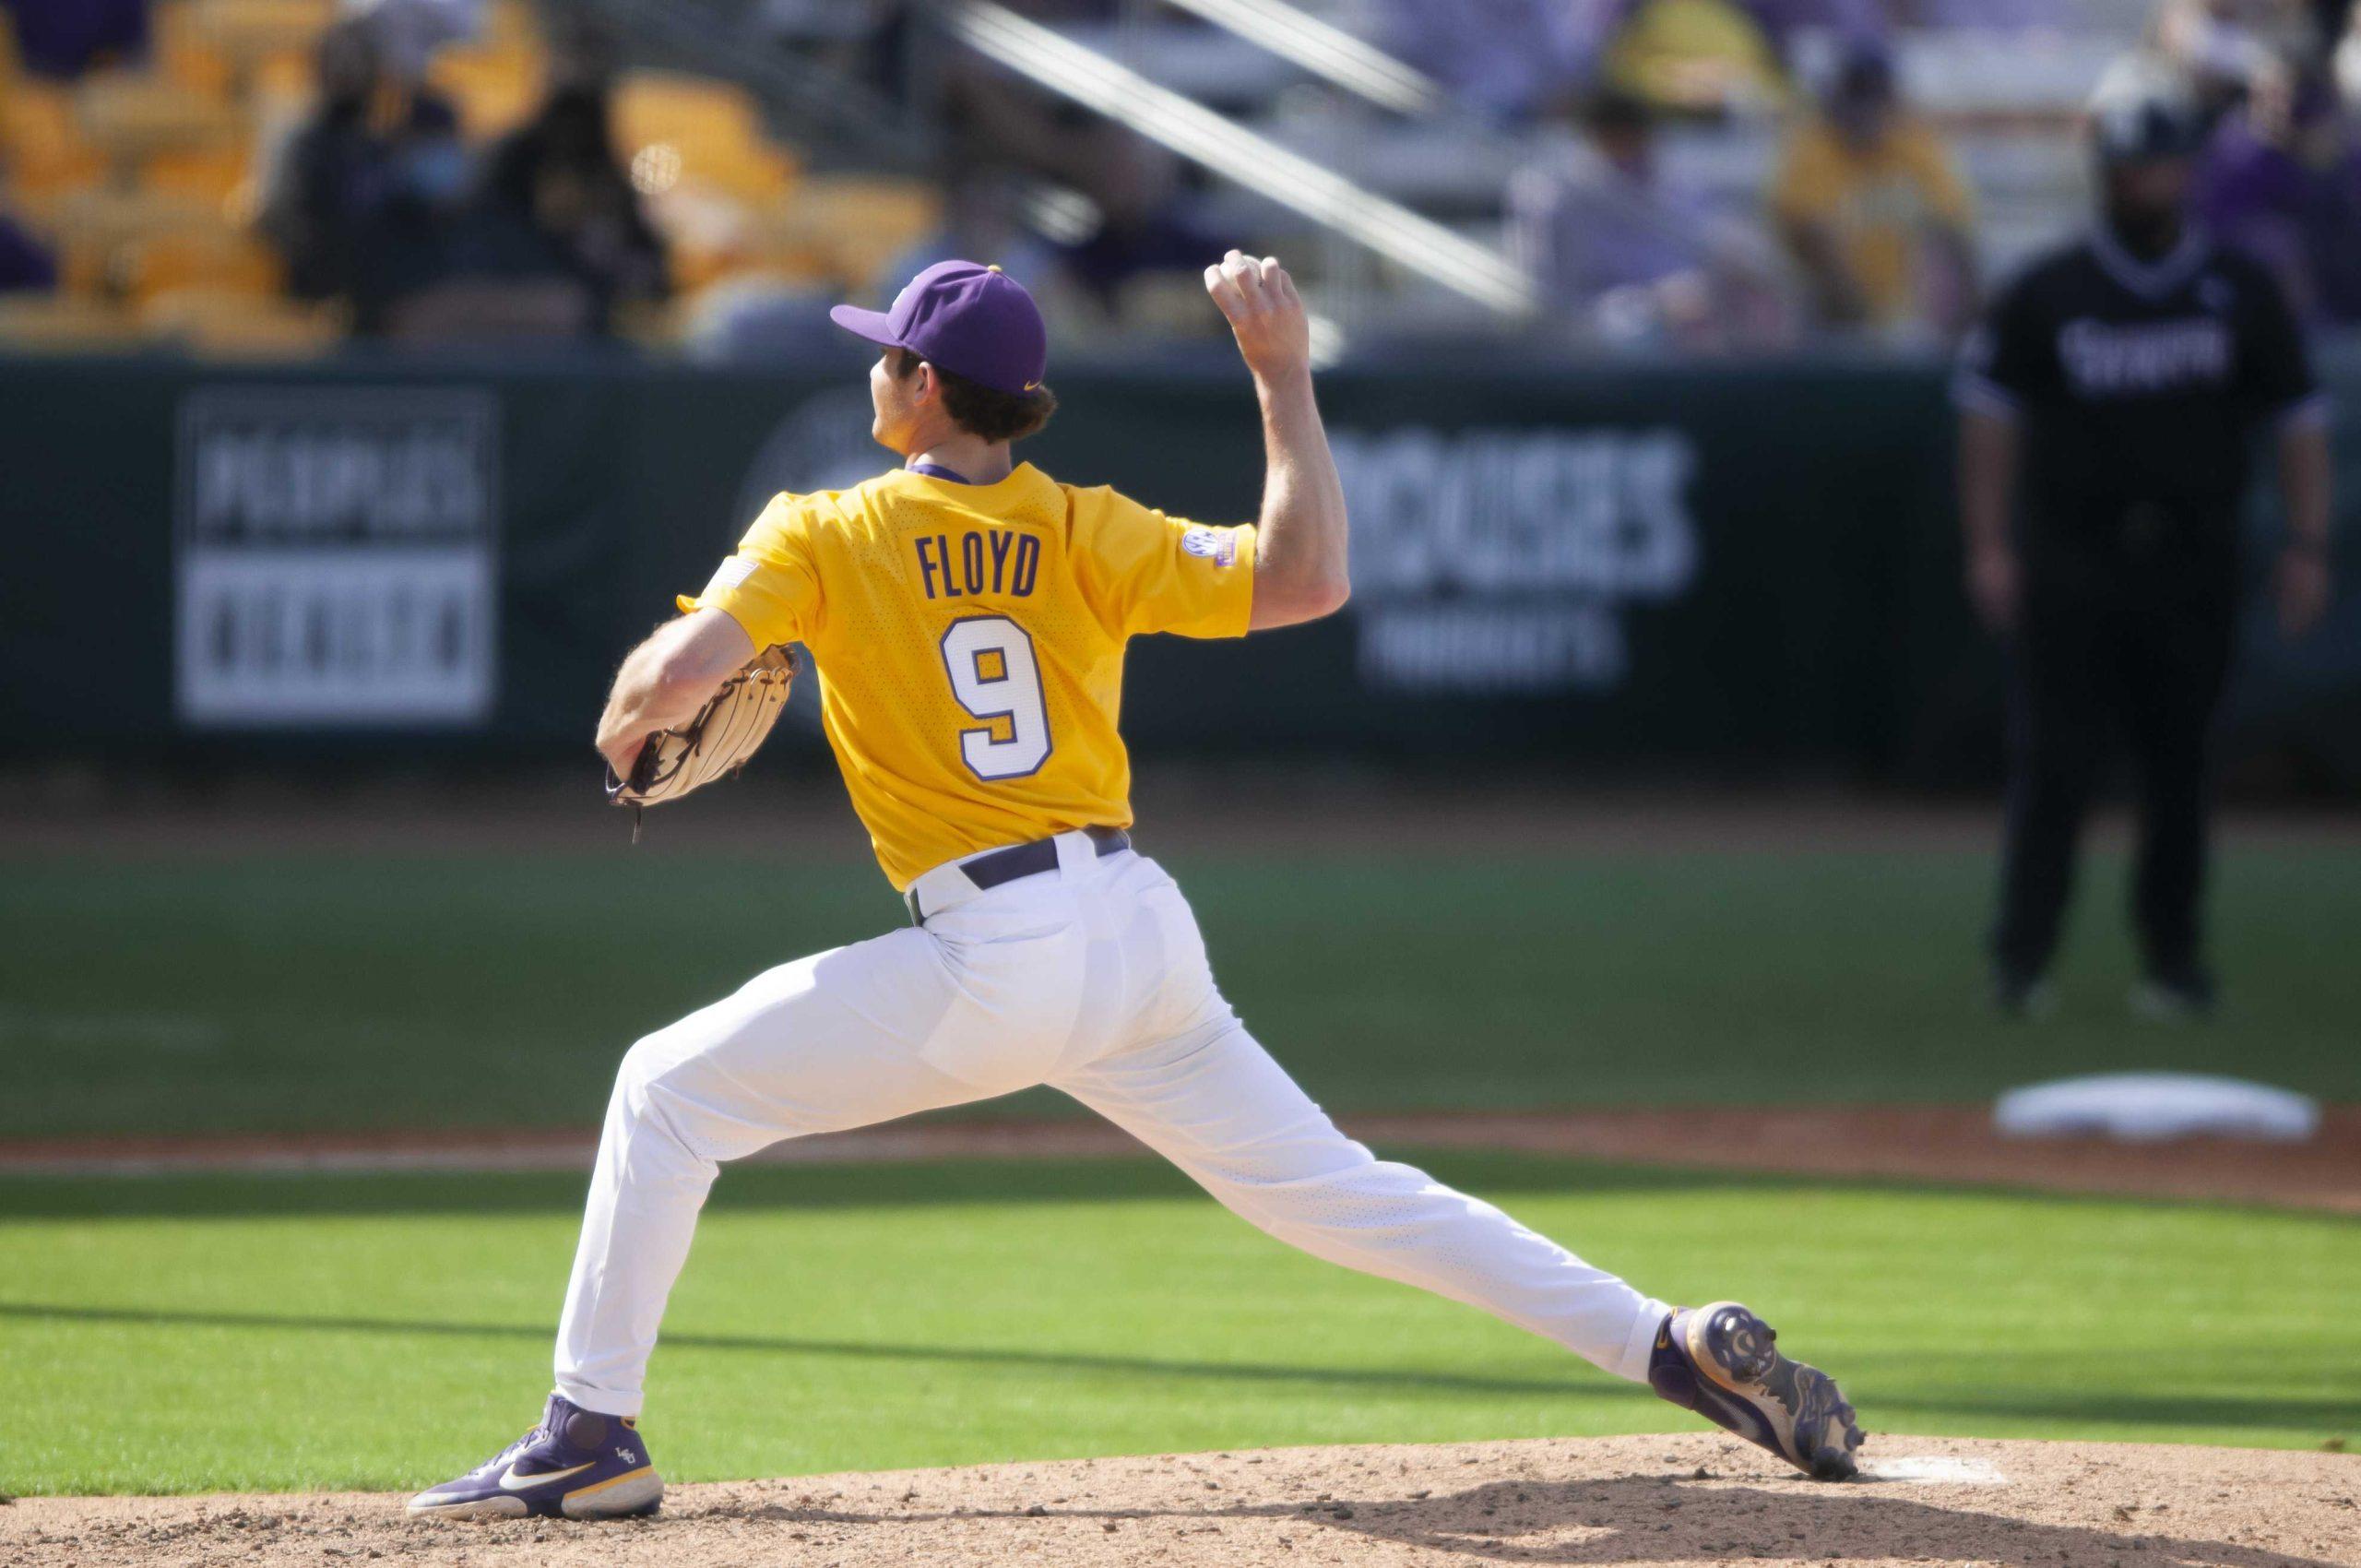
1873 210
65 38
2281 181
1505 59
1702 56
356 201
1628 254
556 205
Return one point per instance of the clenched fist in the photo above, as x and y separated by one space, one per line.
1259 300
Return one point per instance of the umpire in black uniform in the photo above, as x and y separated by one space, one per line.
2108 410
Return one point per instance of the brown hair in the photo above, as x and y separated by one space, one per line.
985 413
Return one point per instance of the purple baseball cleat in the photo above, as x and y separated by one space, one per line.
576 1464
1721 1361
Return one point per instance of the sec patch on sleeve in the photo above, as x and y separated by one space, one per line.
1218 545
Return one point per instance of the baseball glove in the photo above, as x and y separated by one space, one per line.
726 732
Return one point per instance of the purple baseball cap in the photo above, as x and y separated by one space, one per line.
971 319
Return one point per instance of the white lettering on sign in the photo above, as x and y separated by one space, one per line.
1500 560
337 558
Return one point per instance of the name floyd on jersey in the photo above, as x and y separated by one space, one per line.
999 561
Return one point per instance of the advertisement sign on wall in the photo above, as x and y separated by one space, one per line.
1501 560
335 557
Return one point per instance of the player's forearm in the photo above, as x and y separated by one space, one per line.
1300 569
2304 466
668 678
1987 477
642 703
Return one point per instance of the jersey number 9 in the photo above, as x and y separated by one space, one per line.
995 677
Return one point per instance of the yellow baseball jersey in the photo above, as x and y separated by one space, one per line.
970 644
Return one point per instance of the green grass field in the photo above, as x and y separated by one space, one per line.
306 1333
385 990
301 1334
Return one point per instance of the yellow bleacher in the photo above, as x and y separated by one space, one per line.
145 180
847 227
493 85
183 53
219 257
698 132
129 116
43 144
100 231
713 181
252 37
58 322
221 176
235 323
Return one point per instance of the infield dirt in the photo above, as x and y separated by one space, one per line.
1686 1500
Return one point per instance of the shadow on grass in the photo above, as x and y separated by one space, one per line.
918 1183
959 1355
1658 1519
2325 1413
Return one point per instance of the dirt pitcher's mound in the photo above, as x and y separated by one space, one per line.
1626 1500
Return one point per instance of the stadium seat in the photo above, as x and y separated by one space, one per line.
46 150
673 129
258 37
672 106
708 234
128 116
493 87
232 323
98 228
62 322
219 176
137 243
184 52
219 257
850 227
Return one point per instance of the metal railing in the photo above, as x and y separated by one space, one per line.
1323 49
1070 70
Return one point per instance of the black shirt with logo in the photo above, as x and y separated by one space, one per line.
2138 388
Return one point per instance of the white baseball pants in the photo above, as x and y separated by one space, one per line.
1092 978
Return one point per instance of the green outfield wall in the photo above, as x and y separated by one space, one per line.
1728 572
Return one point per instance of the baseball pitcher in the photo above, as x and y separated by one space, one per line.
971 614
